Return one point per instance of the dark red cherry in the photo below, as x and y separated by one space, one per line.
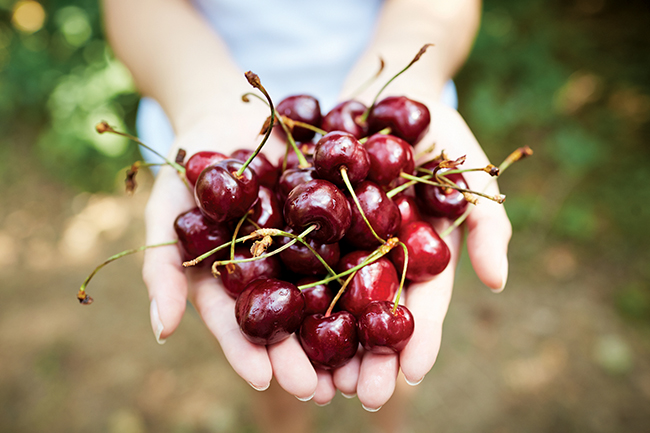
317 298
244 273
198 162
340 149
346 117
267 212
269 310
267 173
300 260
293 177
197 235
381 331
322 203
221 194
442 202
382 214
408 209
303 108
389 156
307 150
406 118
428 254
377 281
329 342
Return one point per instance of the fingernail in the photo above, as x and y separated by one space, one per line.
306 398
349 395
322 404
504 276
260 388
417 382
156 324
369 409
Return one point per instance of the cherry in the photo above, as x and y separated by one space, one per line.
221 194
300 260
266 212
382 331
293 177
428 254
317 298
198 162
269 310
267 173
408 209
244 273
303 108
389 156
346 117
442 202
197 235
329 341
406 118
340 149
318 202
382 214
376 281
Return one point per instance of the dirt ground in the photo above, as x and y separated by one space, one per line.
549 354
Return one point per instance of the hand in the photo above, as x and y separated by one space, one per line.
170 285
372 377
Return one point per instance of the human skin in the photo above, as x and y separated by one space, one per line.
177 59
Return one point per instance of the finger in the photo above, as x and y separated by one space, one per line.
325 391
292 368
217 310
489 232
162 271
346 377
377 377
428 302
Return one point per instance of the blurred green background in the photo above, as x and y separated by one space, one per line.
565 348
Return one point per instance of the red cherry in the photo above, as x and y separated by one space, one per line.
266 212
346 117
293 177
442 202
198 162
303 108
376 281
406 118
244 273
269 310
267 173
317 298
389 156
221 194
318 202
381 331
381 212
408 209
329 342
428 254
197 235
300 260
340 149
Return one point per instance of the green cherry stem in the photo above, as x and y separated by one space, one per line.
499 198
235 233
364 116
302 161
199 259
254 81
83 297
340 293
401 283
346 180
369 81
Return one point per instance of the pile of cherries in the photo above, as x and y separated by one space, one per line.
331 227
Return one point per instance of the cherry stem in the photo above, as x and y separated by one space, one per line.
302 161
83 297
306 126
489 169
103 127
401 283
364 116
384 131
271 232
515 156
346 179
500 198
381 251
236 232
204 256
340 293
369 81
254 81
